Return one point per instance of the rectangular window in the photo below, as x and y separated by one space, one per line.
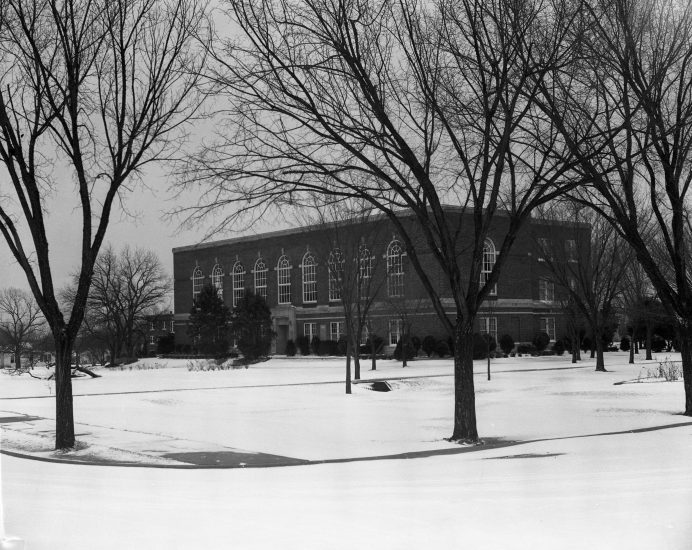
364 335
309 284
152 340
488 325
151 325
394 331
284 276
334 285
571 250
544 249
547 325
310 330
336 330
172 326
546 290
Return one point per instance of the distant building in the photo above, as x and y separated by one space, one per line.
290 268
155 327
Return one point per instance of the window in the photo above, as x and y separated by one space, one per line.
283 268
336 330
394 331
571 250
488 325
309 267
238 283
217 280
152 340
310 330
364 335
488 264
335 265
395 270
151 325
261 278
544 249
546 290
547 325
364 270
572 282
172 326
197 280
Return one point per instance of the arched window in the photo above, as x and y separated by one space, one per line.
283 269
238 283
336 274
217 280
364 271
488 264
261 278
309 278
197 281
395 269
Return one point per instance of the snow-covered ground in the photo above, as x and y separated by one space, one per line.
595 464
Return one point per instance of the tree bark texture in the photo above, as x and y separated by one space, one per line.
64 418
465 401
685 335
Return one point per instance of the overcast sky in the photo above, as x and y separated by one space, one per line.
144 227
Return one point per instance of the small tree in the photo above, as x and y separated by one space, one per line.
209 320
429 345
251 323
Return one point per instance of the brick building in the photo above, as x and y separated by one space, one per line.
291 269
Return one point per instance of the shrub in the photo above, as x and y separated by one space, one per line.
409 349
483 344
506 343
290 348
166 344
541 341
328 347
526 349
378 341
658 344
415 342
303 343
441 348
625 343
559 347
341 345
315 345
586 344
429 345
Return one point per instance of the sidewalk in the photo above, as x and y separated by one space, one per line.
33 437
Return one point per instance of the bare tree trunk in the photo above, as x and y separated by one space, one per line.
685 335
649 339
632 350
465 400
356 360
600 360
349 345
373 358
64 418
17 358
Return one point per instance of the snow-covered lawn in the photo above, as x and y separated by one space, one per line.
596 465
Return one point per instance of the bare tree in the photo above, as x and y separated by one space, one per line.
624 108
91 92
406 106
351 248
589 267
22 321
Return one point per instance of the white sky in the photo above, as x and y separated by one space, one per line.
145 227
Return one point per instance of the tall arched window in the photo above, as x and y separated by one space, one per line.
197 281
488 264
283 271
261 278
336 274
238 283
217 280
364 271
309 267
395 269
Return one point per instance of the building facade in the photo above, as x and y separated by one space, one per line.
296 271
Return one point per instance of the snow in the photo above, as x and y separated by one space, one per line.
571 459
